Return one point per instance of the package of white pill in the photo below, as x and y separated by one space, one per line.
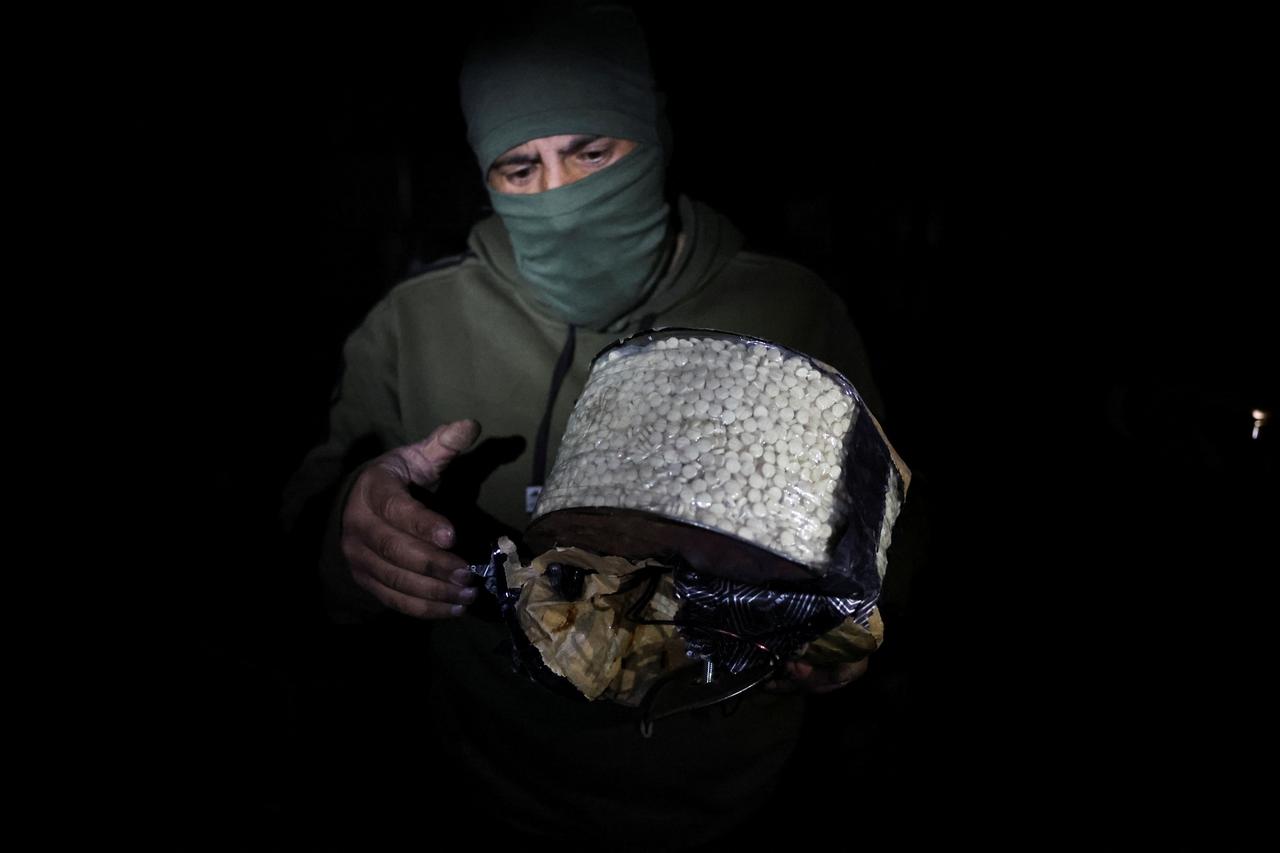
731 456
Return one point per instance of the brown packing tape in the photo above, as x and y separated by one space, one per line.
848 642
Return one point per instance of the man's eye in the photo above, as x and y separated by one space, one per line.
597 156
520 174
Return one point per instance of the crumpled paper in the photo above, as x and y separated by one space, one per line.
848 642
594 644
591 641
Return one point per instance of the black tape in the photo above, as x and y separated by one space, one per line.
739 625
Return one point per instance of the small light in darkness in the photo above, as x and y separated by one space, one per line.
1260 418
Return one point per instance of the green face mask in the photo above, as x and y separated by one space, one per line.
594 249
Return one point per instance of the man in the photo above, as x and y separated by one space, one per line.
585 248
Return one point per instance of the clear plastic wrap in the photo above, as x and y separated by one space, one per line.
732 434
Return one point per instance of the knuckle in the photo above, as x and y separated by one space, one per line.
386 547
437 567
387 505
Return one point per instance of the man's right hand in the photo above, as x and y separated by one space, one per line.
396 547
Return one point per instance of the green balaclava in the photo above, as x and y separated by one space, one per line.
594 249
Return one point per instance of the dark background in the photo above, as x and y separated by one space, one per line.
1054 246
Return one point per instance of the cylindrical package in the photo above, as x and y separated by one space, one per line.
730 435
755 472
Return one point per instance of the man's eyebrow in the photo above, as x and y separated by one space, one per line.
514 160
573 147
578 143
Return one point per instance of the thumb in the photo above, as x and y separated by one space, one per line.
428 458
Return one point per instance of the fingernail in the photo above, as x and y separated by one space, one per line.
444 537
468 595
457 609
461 577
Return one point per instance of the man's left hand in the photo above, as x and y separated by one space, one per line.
801 677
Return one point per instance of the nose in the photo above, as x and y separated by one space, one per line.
554 174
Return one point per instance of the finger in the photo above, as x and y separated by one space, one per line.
403 551
410 593
780 685
388 499
428 458
784 681
800 670
827 680
801 675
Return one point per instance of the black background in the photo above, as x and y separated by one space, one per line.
1052 235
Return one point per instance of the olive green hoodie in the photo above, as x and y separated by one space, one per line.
466 340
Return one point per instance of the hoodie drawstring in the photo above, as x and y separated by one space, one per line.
534 489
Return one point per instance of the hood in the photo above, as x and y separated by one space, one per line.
710 241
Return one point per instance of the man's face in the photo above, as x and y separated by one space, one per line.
555 161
